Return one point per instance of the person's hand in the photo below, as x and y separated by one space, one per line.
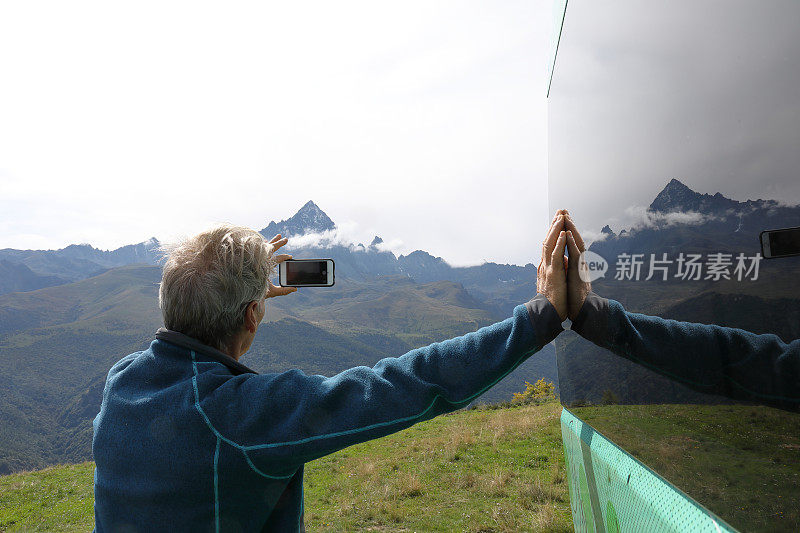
274 290
577 288
551 276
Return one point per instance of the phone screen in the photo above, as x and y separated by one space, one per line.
784 242
306 272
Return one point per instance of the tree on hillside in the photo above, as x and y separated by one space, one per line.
538 392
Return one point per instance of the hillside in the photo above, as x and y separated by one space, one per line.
57 344
473 470
66 316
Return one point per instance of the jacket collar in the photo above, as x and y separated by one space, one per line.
190 343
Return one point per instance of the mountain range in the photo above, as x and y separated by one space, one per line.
67 315
57 344
36 269
703 222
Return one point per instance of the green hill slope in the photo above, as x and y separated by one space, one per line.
58 343
473 470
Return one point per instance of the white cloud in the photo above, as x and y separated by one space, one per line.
590 236
647 91
640 217
400 116
785 203
392 245
348 234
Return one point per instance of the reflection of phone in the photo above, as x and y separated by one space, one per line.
780 242
306 273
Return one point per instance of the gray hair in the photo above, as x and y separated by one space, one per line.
209 279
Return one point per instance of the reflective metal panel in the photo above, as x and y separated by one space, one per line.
674 142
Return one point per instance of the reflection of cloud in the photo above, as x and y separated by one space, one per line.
779 202
590 237
642 218
684 96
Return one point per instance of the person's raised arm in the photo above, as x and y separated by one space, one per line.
280 421
713 359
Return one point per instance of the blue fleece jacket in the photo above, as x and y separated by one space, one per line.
188 439
708 358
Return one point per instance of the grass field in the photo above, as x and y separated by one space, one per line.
476 470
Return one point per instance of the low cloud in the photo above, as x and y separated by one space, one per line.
784 203
642 218
637 218
326 239
590 236
348 235
391 246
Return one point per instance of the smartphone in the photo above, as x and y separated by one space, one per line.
306 273
780 242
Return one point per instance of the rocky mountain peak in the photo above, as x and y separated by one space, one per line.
309 207
677 197
309 219
312 218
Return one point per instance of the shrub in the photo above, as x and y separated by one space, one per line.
538 392
609 398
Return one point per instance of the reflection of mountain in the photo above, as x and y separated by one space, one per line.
677 197
57 343
681 220
769 304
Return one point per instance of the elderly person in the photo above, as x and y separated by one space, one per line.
190 439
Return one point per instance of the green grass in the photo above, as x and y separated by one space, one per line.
476 470
58 498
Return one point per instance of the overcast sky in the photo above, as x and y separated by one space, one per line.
422 122
644 92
